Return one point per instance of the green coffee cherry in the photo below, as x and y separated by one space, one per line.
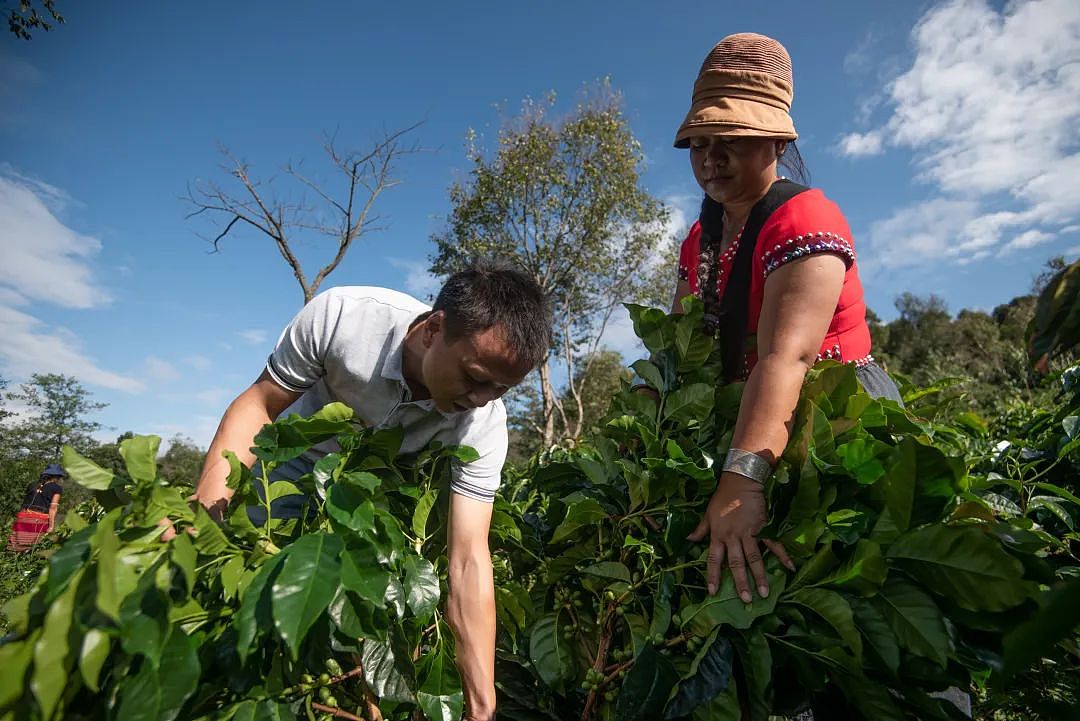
331 702
324 693
307 678
324 678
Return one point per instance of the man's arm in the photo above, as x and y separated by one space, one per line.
261 403
470 607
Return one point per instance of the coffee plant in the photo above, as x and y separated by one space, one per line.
909 582
336 611
930 556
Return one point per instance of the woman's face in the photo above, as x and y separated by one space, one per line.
734 169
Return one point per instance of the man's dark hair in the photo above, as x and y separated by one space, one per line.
491 294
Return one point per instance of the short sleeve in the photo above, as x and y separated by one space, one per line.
298 360
480 479
807 224
52 490
688 256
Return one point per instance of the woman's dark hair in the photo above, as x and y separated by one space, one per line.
492 294
793 164
727 316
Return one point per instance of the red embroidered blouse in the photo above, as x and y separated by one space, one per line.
808 223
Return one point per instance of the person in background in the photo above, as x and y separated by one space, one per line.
37 516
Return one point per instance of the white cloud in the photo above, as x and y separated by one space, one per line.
44 259
1027 239
418 281
990 105
861 144
253 336
160 370
29 347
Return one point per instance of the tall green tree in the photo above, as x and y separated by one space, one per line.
182 463
562 199
58 411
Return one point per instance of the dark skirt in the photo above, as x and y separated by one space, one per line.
877 382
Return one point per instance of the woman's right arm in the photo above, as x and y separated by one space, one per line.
260 404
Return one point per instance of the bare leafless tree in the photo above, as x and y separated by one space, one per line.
344 215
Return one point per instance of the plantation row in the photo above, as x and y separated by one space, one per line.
929 555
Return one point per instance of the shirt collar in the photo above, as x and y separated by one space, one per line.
392 369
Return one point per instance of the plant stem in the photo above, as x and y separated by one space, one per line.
335 712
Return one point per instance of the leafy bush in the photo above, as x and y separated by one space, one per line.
281 620
915 574
907 582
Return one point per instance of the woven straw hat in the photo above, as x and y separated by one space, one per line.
744 88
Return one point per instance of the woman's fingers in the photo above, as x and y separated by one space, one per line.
736 561
780 552
715 564
698 534
757 564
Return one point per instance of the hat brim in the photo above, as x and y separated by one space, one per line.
736 117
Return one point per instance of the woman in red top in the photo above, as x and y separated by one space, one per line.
795 300
37 516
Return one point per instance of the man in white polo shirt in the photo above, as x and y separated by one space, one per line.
438 373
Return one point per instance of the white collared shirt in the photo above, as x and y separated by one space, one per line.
346 345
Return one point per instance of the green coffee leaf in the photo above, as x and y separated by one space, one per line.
53 654
649 373
140 458
439 696
85 472
159 689
710 674
303 589
581 514
875 629
646 688
255 614
422 591
835 610
689 403
550 653
726 608
914 618
388 669
963 564
420 515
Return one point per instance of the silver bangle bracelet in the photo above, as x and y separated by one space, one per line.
747 464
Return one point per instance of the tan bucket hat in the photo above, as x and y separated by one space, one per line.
744 87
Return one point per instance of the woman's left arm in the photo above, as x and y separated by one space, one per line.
54 507
799 302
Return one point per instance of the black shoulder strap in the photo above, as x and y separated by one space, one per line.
733 306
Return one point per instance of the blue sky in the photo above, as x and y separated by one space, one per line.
947 132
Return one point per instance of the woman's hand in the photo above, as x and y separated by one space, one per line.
735 514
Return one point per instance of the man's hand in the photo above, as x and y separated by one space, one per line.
215 506
735 514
